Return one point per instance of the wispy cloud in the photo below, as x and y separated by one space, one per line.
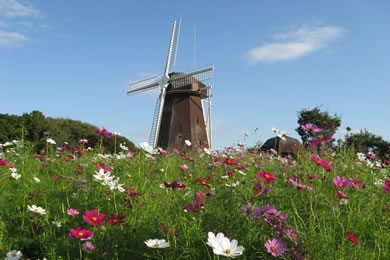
11 39
13 8
295 44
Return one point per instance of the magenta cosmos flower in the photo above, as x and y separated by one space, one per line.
276 247
93 217
81 234
341 182
72 212
267 176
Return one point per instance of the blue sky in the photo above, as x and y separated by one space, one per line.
74 59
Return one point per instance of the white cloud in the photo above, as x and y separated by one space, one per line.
13 8
295 44
11 39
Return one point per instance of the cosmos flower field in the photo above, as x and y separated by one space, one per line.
78 203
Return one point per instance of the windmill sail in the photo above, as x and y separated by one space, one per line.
143 85
173 44
154 132
186 78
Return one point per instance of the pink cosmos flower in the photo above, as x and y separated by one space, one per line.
276 247
341 182
184 166
356 183
298 185
353 238
203 183
267 176
81 234
341 195
371 155
104 132
312 128
387 186
3 162
311 176
292 235
72 212
321 163
94 218
88 247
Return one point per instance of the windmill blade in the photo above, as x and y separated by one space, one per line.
173 44
186 78
155 131
143 85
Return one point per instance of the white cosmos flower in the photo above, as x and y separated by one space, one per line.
102 176
114 185
187 142
57 223
123 147
7 144
16 175
223 246
36 209
282 135
206 151
51 141
37 180
233 184
157 243
148 148
13 255
241 172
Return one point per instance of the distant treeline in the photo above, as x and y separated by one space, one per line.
35 128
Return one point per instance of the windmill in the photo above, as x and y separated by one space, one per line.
178 114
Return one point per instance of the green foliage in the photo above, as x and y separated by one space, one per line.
37 128
365 142
315 116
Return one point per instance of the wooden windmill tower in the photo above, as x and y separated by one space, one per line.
179 113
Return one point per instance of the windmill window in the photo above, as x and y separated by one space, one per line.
180 129
199 142
197 120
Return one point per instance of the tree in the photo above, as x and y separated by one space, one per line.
37 128
365 142
322 120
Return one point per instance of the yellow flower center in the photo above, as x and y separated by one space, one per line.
341 184
13 255
94 218
103 176
80 234
115 220
273 249
227 251
267 176
156 245
36 210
